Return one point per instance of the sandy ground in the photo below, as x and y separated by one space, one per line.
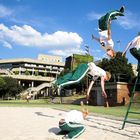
21 123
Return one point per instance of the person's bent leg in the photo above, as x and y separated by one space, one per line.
78 129
103 22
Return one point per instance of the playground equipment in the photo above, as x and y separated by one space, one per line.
130 103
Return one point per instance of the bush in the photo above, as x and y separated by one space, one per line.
11 87
27 72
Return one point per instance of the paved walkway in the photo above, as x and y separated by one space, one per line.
21 123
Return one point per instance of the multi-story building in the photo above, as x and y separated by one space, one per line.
31 73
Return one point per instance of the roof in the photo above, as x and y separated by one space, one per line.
28 60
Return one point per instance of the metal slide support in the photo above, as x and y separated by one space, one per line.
129 105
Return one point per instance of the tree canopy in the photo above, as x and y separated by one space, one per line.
118 66
9 87
2 83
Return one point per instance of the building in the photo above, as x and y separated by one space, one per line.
117 92
73 61
134 68
32 73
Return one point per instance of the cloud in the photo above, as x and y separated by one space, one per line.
4 11
67 52
59 42
97 58
94 16
7 45
129 20
97 54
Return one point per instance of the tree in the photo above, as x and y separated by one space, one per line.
11 87
36 73
16 72
2 85
118 66
27 72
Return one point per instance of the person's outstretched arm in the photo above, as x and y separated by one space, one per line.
126 48
103 91
95 38
103 87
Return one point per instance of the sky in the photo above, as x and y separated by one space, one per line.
63 27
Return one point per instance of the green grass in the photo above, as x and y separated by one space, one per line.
100 110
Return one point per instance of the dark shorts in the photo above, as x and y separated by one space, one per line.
73 129
136 53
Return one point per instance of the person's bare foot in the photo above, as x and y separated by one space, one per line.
122 9
81 103
87 98
87 102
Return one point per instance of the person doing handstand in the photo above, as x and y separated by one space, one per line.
104 24
105 40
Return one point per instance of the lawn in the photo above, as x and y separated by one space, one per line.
118 111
